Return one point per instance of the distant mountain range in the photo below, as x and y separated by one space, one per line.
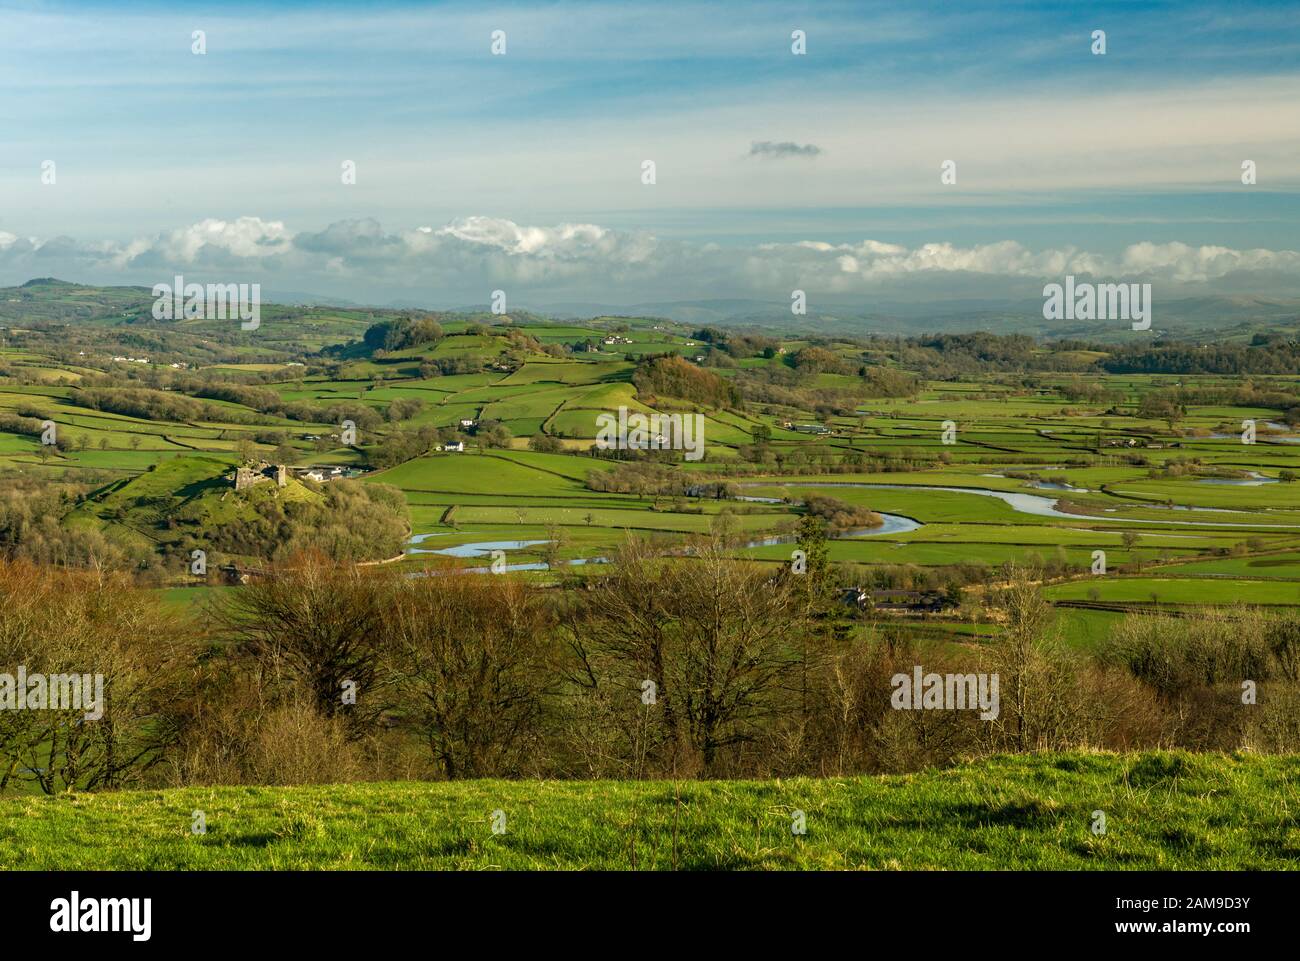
1187 317
1220 318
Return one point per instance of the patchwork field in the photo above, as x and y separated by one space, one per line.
969 473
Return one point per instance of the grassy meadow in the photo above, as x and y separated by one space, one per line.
1162 812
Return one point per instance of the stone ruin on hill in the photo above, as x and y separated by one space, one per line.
246 477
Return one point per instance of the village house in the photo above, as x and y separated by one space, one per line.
323 473
897 602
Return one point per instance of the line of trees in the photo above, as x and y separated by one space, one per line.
699 666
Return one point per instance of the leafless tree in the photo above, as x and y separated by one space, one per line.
712 634
470 656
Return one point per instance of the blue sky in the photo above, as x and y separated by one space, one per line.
470 165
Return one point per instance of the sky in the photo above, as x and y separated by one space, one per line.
127 157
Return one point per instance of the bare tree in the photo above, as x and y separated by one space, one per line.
711 634
556 539
469 654
123 655
1036 675
317 625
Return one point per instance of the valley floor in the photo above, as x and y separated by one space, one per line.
1161 811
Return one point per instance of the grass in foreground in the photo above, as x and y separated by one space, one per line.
1163 811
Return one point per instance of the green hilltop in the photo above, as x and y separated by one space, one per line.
180 501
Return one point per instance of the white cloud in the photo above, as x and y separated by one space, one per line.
1197 264
469 257
247 237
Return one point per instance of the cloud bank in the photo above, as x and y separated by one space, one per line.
464 260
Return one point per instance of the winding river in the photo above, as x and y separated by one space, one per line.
1035 504
1039 505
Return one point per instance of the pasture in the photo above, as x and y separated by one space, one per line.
1164 812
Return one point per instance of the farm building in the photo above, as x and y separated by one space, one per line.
900 602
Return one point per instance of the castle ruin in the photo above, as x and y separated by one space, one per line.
246 477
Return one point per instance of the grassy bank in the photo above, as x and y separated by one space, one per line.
1163 811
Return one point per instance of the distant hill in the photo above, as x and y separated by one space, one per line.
48 300
295 320
1233 316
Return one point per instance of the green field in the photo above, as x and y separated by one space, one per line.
1163 811
1175 590
1183 512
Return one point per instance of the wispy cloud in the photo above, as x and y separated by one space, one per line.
783 148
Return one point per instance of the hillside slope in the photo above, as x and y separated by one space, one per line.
182 496
1163 811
